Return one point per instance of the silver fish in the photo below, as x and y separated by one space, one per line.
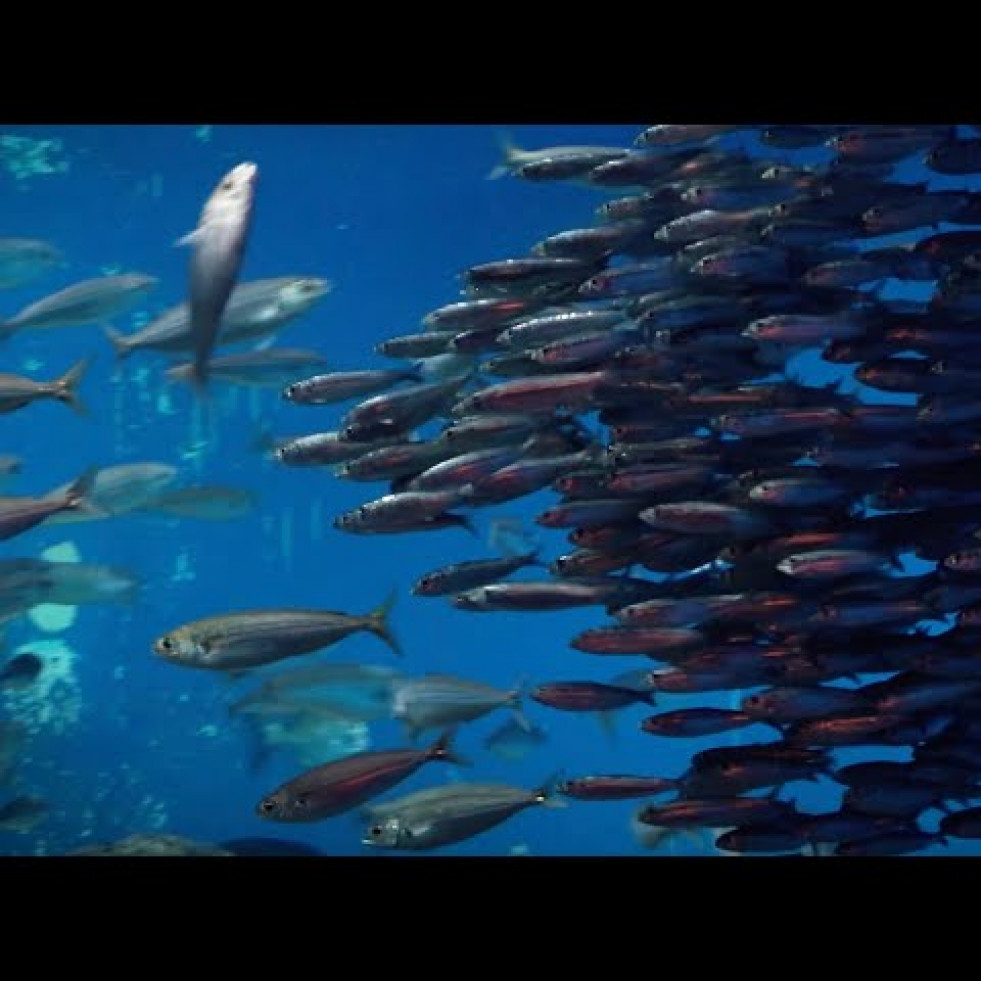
120 489
24 259
219 247
254 310
267 368
441 700
93 301
458 813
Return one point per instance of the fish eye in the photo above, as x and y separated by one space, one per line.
301 801
375 831
166 643
290 391
267 806
407 832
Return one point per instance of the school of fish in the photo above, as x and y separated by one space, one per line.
804 557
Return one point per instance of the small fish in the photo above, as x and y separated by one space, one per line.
615 787
341 785
218 242
436 701
236 641
268 368
457 814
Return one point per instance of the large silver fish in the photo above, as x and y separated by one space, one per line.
219 247
255 310
93 301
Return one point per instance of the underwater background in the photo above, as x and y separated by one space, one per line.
122 742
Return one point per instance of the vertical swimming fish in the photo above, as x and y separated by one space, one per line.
219 246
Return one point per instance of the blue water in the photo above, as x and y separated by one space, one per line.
392 215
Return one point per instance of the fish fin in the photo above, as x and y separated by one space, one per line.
412 731
191 238
607 722
198 377
509 151
65 387
465 522
636 680
504 534
443 750
545 794
76 492
379 625
120 343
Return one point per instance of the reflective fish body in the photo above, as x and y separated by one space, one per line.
120 489
459 813
437 701
245 640
218 245
93 301
341 785
270 368
254 310
342 385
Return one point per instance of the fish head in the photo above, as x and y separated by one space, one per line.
429 584
758 704
284 806
301 294
138 282
387 833
182 646
239 182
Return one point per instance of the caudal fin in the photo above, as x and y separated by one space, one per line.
511 154
66 387
78 491
379 625
120 342
546 793
442 750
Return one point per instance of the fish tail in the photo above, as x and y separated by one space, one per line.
66 387
198 377
120 343
546 793
442 750
77 492
510 151
379 625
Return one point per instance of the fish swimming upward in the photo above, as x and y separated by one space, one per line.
219 247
